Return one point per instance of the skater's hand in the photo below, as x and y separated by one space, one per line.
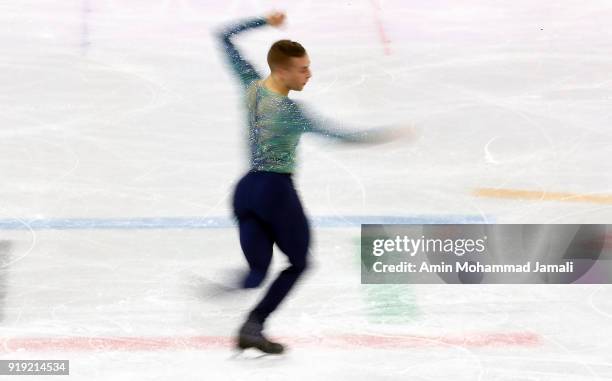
405 132
389 134
276 19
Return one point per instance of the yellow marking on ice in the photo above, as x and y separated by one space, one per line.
543 195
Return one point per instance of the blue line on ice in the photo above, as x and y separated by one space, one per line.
217 222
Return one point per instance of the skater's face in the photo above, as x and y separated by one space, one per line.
297 73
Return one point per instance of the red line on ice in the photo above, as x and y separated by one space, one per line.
80 344
381 30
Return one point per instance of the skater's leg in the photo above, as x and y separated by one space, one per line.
292 235
257 245
273 200
255 237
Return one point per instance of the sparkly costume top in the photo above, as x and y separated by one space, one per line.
275 121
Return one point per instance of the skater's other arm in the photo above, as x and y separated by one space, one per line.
241 67
328 128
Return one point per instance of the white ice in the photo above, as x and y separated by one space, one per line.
125 110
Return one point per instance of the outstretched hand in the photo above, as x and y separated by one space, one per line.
389 134
276 19
405 132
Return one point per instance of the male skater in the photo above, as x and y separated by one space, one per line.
265 201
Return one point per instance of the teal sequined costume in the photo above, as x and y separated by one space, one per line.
275 121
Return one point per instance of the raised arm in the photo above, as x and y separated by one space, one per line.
241 67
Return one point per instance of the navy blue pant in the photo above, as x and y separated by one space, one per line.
269 211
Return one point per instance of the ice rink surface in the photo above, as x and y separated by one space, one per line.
122 138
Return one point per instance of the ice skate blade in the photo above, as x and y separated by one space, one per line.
261 344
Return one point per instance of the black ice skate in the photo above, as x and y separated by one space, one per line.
250 336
